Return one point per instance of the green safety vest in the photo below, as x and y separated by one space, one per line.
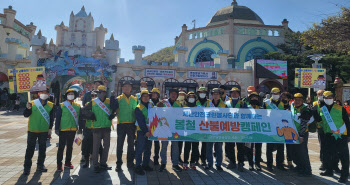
206 104
37 122
238 105
296 111
88 123
67 119
222 104
126 111
280 105
176 104
315 103
102 120
336 114
144 111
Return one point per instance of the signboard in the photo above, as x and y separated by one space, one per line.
346 94
160 73
222 125
277 67
310 78
202 74
26 78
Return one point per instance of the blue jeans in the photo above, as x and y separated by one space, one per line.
143 146
174 152
218 151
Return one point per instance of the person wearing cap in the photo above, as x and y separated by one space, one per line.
40 122
191 102
87 96
101 111
254 100
143 86
274 103
155 95
250 89
171 102
216 102
235 102
68 122
87 143
335 123
126 125
301 116
182 97
143 144
316 110
223 93
203 101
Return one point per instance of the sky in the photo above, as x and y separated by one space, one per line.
155 23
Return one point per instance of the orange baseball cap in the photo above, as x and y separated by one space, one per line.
251 88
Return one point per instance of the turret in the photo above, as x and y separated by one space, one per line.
112 55
179 53
59 29
32 27
100 35
36 43
10 16
138 52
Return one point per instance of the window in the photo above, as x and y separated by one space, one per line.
204 56
257 53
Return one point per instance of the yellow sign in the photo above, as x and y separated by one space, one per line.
310 78
26 78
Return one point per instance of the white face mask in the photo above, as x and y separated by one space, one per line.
181 98
70 97
44 96
143 88
328 101
275 97
234 98
191 100
320 98
202 95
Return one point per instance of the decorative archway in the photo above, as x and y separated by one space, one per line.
249 46
205 44
150 82
127 78
231 84
189 85
169 84
268 84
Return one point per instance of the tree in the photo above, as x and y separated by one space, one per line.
332 34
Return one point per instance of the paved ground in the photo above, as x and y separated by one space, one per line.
13 137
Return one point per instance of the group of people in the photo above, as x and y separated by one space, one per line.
94 121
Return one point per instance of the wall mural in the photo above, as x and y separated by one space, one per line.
89 69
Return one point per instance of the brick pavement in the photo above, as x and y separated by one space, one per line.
13 128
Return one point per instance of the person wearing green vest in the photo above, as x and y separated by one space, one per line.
87 143
254 100
191 145
301 116
274 103
155 95
68 122
171 102
143 144
101 111
216 102
203 101
41 117
235 102
126 125
335 123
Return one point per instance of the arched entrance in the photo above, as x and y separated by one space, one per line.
135 88
189 85
211 85
60 84
266 85
150 82
169 84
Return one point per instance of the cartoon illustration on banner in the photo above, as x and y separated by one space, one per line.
27 79
310 78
